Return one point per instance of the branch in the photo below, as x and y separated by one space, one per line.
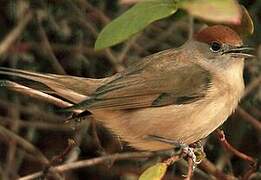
10 166
25 145
48 49
30 148
90 162
210 168
190 169
220 134
254 84
15 33
37 125
247 117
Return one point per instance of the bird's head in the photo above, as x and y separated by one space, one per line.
220 45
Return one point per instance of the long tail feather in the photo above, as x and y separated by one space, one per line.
64 86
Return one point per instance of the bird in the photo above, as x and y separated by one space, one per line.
182 94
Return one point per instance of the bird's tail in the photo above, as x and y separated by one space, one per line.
71 88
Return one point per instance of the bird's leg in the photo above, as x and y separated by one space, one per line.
194 151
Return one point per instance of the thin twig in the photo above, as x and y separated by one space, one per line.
98 160
10 168
27 146
58 158
160 37
31 110
197 171
24 144
59 47
210 168
172 160
61 157
126 48
104 19
77 13
108 52
78 137
113 60
220 134
248 173
190 169
37 125
249 118
48 49
2 173
254 84
15 33
91 162
29 136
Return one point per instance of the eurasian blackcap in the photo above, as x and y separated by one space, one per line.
182 94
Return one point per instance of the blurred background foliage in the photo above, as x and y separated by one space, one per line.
58 36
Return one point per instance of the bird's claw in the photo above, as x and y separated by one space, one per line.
191 152
194 151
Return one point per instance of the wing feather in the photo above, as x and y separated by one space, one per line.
144 84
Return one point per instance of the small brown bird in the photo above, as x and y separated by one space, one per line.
180 94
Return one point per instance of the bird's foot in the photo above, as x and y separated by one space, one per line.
194 151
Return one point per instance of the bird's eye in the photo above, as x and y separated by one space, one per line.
215 46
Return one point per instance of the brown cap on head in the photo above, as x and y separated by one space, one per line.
219 33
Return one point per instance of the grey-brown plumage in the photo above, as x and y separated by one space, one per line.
181 94
148 84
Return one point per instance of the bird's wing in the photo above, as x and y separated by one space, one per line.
158 80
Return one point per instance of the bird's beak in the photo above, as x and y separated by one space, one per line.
240 52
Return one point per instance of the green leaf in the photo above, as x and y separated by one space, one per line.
218 11
155 172
133 21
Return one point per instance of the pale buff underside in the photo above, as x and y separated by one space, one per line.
184 123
